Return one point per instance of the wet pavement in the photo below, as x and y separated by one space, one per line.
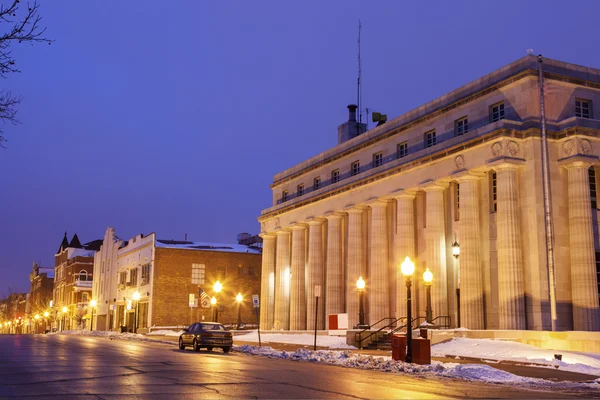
72 367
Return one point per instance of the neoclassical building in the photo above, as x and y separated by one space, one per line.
467 167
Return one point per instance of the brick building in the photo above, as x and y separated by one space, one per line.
12 313
40 294
161 278
73 274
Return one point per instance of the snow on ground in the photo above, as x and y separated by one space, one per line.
490 349
164 332
333 342
112 335
470 372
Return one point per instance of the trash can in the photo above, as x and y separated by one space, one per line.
421 351
398 347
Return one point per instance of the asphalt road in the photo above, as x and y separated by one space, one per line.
72 367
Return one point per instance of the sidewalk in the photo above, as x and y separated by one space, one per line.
528 370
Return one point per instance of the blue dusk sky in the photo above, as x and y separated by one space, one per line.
173 116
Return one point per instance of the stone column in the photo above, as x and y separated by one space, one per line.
282 282
355 262
379 293
334 270
471 273
298 283
584 285
315 273
435 242
267 285
405 246
511 290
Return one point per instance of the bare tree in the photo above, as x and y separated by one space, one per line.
21 26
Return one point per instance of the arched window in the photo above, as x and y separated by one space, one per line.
83 276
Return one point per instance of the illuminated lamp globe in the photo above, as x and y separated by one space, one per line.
93 303
427 276
218 287
37 316
360 283
239 298
213 300
65 309
407 267
46 314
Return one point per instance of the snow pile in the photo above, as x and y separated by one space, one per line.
342 358
112 335
490 349
478 372
333 342
164 332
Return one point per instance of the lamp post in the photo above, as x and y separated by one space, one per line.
360 286
427 278
217 287
456 254
64 317
136 298
213 301
239 300
46 315
93 305
408 268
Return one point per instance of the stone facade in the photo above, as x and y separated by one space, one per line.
465 167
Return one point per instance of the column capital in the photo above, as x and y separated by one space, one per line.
434 186
404 194
298 225
267 235
578 161
282 231
334 215
505 163
315 220
355 208
379 202
468 176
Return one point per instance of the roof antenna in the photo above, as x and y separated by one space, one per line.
358 91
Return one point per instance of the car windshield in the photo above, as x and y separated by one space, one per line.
213 327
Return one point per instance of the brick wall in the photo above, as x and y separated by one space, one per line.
172 284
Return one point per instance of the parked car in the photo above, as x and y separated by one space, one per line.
206 335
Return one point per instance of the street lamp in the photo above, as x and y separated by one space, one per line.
427 278
136 298
93 305
360 286
408 268
239 300
217 287
64 317
213 301
456 254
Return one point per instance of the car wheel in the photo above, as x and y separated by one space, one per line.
226 349
209 348
181 346
196 345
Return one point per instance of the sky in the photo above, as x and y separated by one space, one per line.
173 116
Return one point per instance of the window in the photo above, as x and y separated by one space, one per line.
284 196
300 190
355 168
402 150
582 108
377 159
497 112
494 193
335 176
457 202
122 278
83 276
461 126
133 277
430 138
84 297
145 274
598 271
198 274
317 183
592 182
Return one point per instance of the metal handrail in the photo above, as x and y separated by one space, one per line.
447 319
360 338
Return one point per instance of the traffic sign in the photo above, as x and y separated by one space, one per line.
255 301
